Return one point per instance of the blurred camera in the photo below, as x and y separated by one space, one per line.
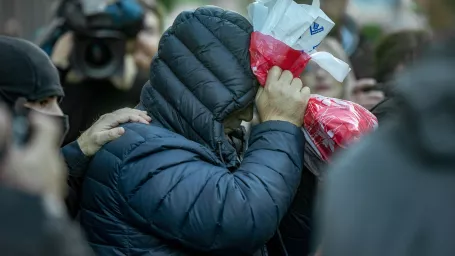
101 30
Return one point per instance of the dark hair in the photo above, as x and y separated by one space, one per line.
400 48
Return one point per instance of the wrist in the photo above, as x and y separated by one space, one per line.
84 145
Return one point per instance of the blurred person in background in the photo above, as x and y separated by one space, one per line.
367 92
180 185
346 30
356 50
394 54
12 27
32 190
397 51
27 72
392 194
360 50
355 43
86 99
320 81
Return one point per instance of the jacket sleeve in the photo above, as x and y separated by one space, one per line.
77 164
189 201
75 160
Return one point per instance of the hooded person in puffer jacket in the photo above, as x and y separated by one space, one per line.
178 185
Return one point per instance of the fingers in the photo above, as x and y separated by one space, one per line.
376 96
278 77
286 77
127 115
46 132
305 93
296 84
372 99
132 111
62 49
146 45
366 82
273 76
110 135
144 115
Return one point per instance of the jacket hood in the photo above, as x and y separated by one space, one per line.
200 75
26 71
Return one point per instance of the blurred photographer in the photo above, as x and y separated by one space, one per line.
32 191
103 51
30 83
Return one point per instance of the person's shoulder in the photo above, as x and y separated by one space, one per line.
141 139
139 131
137 134
146 150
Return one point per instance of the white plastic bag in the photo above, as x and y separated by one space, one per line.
302 27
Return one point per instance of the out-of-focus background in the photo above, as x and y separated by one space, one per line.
26 17
363 27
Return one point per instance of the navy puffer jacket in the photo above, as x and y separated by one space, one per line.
176 187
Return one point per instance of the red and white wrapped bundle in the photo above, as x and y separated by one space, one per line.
334 123
287 35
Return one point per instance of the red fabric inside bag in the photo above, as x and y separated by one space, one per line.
266 52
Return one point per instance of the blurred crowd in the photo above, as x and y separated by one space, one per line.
168 146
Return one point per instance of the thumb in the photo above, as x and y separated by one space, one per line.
110 135
259 93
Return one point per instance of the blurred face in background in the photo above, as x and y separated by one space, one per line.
147 41
12 28
321 82
47 106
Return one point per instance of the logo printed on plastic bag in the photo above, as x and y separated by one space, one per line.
316 29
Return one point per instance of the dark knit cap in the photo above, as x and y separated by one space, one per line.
26 71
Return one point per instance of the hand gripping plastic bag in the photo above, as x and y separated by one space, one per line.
287 34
